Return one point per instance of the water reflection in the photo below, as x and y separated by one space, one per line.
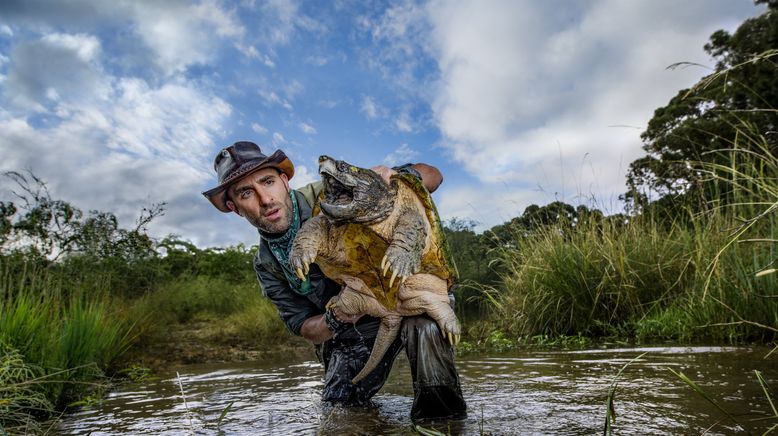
544 392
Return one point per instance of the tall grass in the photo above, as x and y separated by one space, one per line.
54 345
703 276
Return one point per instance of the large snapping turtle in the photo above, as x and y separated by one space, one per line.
385 244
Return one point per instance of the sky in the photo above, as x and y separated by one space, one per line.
121 104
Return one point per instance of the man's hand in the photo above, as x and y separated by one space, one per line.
384 171
430 176
343 317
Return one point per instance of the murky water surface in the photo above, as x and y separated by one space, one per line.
527 392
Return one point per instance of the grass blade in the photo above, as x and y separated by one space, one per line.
704 395
610 414
224 413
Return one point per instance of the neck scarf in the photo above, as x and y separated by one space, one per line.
281 245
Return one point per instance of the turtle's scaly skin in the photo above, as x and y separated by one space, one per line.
385 244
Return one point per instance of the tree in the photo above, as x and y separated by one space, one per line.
535 217
45 226
55 228
702 123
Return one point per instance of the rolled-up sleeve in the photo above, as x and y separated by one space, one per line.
292 308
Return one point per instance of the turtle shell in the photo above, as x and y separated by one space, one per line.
440 253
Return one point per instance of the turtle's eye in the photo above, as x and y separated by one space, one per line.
343 166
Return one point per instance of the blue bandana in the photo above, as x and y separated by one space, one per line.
280 246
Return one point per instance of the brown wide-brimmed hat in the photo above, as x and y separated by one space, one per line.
238 160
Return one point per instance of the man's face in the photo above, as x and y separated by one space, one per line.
263 199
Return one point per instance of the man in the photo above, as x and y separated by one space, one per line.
256 187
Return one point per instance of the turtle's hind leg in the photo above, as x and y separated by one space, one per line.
427 293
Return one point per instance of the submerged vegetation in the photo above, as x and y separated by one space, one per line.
694 258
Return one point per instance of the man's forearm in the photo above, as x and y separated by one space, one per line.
315 330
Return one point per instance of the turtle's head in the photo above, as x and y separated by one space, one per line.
354 194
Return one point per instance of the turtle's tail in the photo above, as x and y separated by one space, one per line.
387 331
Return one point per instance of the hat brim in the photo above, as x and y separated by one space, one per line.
218 195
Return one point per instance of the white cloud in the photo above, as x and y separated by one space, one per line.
278 139
402 155
403 123
272 98
329 104
370 108
318 61
527 87
5 30
182 34
486 207
172 121
258 128
284 13
175 34
307 128
56 67
249 51
74 159
399 44
112 143
303 176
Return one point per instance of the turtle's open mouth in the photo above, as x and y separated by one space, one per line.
336 193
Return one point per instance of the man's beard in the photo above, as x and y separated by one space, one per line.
280 226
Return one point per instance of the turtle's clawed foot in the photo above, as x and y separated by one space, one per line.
300 260
400 262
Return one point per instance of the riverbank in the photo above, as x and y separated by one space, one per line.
207 342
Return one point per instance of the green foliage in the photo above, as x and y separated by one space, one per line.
19 393
137 373
610 409
478 256
182 300
229 313
499 343
91 333
233 264
474 261
257 324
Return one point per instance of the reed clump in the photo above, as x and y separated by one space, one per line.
56 345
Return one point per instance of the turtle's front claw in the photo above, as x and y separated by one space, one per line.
384 265
400 263
391 280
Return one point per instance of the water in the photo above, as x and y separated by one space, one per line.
525 392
